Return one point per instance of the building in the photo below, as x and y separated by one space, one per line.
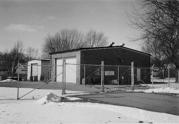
38 70
83 64
3 68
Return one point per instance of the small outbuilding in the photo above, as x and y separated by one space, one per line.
38 70
83 64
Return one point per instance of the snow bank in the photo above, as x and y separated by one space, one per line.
73 98
9 80
51 97
160 90
163 90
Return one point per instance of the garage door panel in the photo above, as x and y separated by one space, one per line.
71 70
35 69
59 65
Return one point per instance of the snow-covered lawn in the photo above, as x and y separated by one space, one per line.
46 108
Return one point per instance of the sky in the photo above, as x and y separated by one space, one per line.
31 21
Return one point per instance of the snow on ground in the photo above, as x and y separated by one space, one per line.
11 93
165 80
51 97
160 90
28 111
171 88
8 80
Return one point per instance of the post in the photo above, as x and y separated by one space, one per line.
168 75
132 75
102 75
84 74
18 80
17 92
63 77
18 71
177 79
163 72
152 74
118 74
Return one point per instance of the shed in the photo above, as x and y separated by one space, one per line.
76 59
38 70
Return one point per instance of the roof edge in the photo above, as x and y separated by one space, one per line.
92 48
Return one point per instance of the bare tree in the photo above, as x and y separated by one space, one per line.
13 57
64 40
72 39
160 26
17 54
32 53
95 39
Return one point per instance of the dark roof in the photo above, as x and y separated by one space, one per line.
92 48
41 59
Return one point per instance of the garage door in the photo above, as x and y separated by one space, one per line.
71 70
59 63
34 71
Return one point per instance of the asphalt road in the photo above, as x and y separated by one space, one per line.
152 102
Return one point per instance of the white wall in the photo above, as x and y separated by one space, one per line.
38 69
71 70
59 66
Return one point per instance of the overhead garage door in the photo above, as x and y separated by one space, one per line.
34 70
71 70
59 63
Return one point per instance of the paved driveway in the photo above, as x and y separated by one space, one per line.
153 102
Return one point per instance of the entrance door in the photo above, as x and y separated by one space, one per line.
71 70
59 63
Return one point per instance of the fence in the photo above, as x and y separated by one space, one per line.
163 75
90 74
67 75
113 74
101 75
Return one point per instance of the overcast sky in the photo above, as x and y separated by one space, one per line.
31 21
